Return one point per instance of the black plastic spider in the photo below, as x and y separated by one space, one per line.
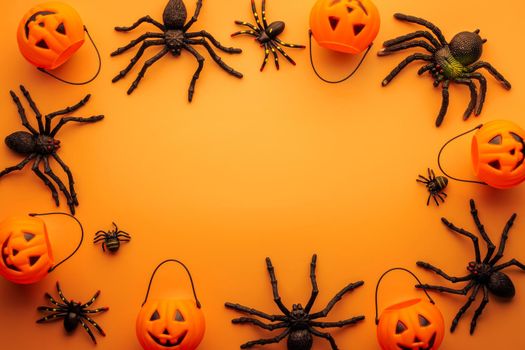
456 61
483 274
111 239
174 38
40 145
266 35
435 186
73 313
299 323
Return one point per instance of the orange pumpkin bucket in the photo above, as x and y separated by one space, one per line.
164 323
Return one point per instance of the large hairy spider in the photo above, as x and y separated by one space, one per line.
174 38
456 61
435 186
73 313
40 145
298 324
111 239
483 274
266 35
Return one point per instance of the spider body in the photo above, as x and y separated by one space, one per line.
175 38
111 239
73 313
299 323
435 186
484 274
456 61
39 144
267 35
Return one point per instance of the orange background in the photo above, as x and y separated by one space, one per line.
277 164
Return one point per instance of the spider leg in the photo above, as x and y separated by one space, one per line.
200 61
104 247
425 68
69 176
95 324
266 341
270 327
439 196
124 234
503 240
19 166
445 289
473 96
509 263
266 54
406 45
444 103
61 295
490 246
96 311
52 317
251 311
282 52
145 67
293 46
98 239
273 281
339 324
53 301
214 41
136 58
49 172
464 308
464 233
491 70
437 32
137 41
440 272
195 16
403 64
22 113
46 181
335 299
263 13
214 56
431 174
84 325
479 310
246 24
482 90
414 35
92 300
315 290
34 108
141 20
326 336
435 199
51 309
246 32
424 179
66 120
428 199
256 16
275 58
65 111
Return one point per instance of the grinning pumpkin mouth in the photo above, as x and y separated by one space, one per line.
430 344
168 343
4 256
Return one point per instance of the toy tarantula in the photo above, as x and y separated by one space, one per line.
73 313
111 239
483 274
266 35
40 145
456 62
435 186
298 324
174 38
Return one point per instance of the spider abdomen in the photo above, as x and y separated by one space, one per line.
300 340
273 30
439 184
175 14
466 47
112 244
21 142
71 322
501 285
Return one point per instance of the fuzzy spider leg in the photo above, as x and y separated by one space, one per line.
49 172
338 324
490 246
512 262
92 300
315 289
51 318
273 281
293 46
46 181
406 45
266 54
473 96
200 61
426 68
33 106
414 35
137 41
195 16
482 90
479 310
19 166
499 77
138 55
446 289
66 120
145 67
86 328
69 176
254 312
403 64
244 32
443 274
270 327
146 19
49 117
503 240
214 56
326 336
214 41
22 113
465 233
444 103
266 341
256 16
95 324
437 32
283 53
350 287
464 308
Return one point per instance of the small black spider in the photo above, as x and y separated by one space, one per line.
456 61
483 274
174 38
40 145
266 35
298 323
435 186
111 239
73 313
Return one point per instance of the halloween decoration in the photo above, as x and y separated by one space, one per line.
435 186
299 324
411 324
267 36
170 323
483 274
39 145
49 34
174 38
72 313
111 239
456 62
26 254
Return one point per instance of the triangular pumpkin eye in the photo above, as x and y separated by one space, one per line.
334 21
178 316
155 316
496 140
28 236
400 327
423 322
61 29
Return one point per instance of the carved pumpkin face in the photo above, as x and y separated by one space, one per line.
49 34
498 153
411 325
347 26
26 255
170 324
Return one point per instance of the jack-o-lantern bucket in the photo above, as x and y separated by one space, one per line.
411 324
170 323
26 256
